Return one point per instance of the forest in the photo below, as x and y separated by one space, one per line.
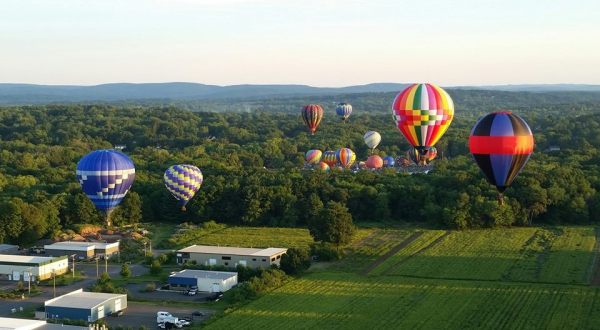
252 163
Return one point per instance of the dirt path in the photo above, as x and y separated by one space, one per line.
391 252
595 267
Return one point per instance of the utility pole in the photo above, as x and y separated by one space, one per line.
145 254
106 264
97 273
73 266
54 284
29 283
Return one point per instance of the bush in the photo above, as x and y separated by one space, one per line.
125 271
326 251
295 261
150 287
155 268
267 280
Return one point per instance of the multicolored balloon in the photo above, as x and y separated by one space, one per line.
374 162
423 113
329 157
312 115
105 177
344 110
501 144
422 158
183 181
372 139
313 156
346 157
324 167
388 161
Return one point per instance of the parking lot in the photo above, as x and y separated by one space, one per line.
140 314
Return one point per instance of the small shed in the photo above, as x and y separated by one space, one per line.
86 306
205 280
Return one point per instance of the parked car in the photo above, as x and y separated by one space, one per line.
197 313
117 314
216 296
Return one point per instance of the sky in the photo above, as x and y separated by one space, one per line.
319 43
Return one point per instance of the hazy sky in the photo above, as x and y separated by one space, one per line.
321 43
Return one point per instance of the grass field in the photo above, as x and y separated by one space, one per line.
260 237
520 278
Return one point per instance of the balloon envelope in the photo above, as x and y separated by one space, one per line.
423 113
313 156
501 144
183 181
105 177
312 115
343 110
323 166
346 157
372 139
374 162
422 158
388 161
329 158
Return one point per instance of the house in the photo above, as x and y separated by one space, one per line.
230 256
17 268
86 306
205 280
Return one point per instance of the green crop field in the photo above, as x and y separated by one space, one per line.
520 278
260 237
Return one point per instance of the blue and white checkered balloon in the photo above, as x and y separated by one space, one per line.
105 177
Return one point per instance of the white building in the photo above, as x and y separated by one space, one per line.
16 268
205 280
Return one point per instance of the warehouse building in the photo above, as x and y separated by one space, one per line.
9 323
230 256
17 268
86 306
83 250
9 249
205 280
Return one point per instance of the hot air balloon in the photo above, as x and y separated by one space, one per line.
362 164
423 113
422 158
372 139
403 161
388 161
344 110
313 156
329 157
105 177
501 143
183 181
345 157
374 162
312 115
323 166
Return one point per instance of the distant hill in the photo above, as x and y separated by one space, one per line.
36 94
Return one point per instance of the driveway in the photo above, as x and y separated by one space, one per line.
136 291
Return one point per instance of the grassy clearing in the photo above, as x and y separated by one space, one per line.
261 237
350 301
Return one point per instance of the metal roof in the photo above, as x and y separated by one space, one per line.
4 247
16 259
210 249
204 274
73 246
80 299
8 323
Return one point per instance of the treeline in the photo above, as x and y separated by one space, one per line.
252 167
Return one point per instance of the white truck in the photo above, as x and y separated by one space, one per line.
164 318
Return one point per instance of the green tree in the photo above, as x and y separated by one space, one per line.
295 261
125 271
334 224
155 267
